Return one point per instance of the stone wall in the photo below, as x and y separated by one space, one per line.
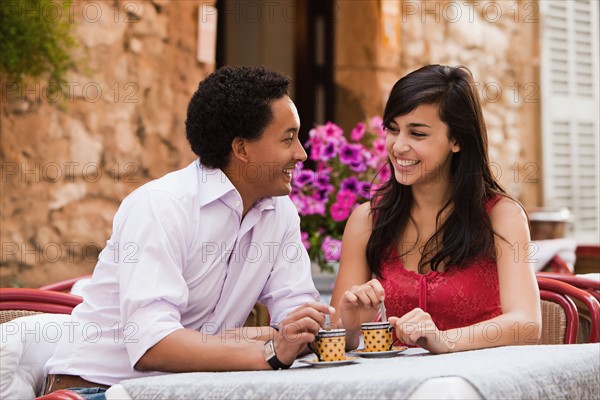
68 163
496 40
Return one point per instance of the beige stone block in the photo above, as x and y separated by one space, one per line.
495 136
126 139
100 24
156 121
119 69
157 157
492 119
85 222
136 45
85 148
467 32
513 148
150 23
162 3
413 29
46 235
495 41
416 51
64 195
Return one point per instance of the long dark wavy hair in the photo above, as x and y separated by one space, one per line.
466 234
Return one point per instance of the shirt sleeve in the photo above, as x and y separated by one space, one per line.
152 232
290 283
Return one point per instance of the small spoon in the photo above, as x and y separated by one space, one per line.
382 312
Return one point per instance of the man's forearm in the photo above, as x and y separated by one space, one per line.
187 350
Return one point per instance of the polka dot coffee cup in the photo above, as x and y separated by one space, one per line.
377 336
330 345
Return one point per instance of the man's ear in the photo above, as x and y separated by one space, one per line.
238 149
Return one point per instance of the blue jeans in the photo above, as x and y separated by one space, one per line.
94 393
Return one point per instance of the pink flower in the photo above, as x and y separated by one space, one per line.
304 238
339 212
358 132
331 248
376 125
385 174
379 147
343 172
346 198
332 131
350 153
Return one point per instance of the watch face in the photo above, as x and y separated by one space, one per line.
269 350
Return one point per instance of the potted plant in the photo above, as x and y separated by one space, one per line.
345 172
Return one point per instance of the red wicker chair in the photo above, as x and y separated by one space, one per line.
560 318
64 286
25 301
589 285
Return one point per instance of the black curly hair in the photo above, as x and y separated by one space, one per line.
231 102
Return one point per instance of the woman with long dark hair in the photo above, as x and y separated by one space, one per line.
444 242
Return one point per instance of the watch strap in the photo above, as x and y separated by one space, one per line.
274 362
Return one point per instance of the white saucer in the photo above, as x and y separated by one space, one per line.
378 354
320 364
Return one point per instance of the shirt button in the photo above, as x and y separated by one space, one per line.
237 203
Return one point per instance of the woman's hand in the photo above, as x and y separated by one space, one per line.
417 328
360 304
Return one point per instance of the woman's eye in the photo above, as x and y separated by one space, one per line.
391 131
418 134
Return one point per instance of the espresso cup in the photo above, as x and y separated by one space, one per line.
330 345
377 336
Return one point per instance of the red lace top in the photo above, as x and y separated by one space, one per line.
454 298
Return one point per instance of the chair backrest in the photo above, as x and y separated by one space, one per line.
560 295
64 286
557 265
589 285
16 302
560 322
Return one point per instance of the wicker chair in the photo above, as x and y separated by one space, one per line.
19 302
64 286
560 318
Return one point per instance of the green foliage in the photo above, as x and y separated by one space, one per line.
35 39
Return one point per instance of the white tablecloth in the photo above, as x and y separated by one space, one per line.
565 371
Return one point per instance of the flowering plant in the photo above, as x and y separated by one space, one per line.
346 172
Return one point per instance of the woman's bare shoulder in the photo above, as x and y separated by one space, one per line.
508 208
361 216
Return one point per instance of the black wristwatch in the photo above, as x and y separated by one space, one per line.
271 357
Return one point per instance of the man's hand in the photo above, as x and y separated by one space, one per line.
299 328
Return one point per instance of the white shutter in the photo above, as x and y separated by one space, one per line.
570 111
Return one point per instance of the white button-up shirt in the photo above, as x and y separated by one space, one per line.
181 255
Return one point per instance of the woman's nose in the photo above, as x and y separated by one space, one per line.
401 144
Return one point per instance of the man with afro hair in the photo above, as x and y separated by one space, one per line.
200 246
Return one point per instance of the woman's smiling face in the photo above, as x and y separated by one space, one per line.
419 146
